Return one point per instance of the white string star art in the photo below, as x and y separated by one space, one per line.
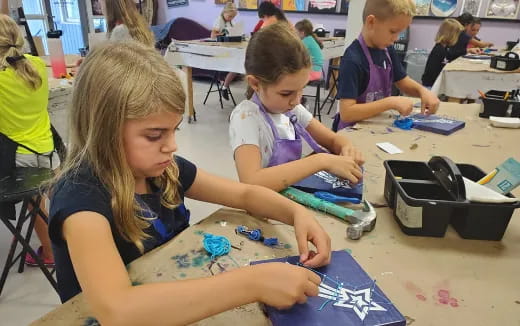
358 300
333 180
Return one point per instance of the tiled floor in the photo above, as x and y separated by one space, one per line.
28 296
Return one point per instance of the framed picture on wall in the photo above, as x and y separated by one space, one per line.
443 8
177 3
423 7
97 10
322 6
293 5
506 9
248 4
471 6
344 6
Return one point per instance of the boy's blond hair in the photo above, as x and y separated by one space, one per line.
11 48
449 32
119 81
384 9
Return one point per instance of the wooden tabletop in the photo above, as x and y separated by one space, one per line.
481 277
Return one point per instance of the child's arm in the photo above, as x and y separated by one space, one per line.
248 161
335 143
350 110
479 44
263 202
215 33
113 300
429 101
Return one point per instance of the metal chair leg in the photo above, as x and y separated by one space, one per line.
209 91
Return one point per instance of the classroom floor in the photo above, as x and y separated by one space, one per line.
28 296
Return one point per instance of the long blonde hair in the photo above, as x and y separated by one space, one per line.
11 53
449 32
125 12
120 81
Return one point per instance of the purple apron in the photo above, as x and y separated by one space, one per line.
287 150
379 84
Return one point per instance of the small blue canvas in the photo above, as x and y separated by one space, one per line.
324 181
348 296
436 124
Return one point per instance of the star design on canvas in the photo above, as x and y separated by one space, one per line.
360 301
334 181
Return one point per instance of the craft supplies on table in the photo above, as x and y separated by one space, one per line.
256 235
504 122
504 178
501 103
508 62
361 221
327 182
437 124
347 296
427 197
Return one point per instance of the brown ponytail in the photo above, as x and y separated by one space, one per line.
305 26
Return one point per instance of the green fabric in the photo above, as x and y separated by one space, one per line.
314 51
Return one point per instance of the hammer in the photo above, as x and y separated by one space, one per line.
361 221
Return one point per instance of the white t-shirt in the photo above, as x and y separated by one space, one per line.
220 24
120 33
249 127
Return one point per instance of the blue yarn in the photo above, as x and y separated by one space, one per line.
403 123
271 242
216 245
255 235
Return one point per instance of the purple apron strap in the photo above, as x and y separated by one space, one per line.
257 101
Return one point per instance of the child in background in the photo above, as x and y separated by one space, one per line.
266 132
313 45
462 47
120 194
124 22
269 14
447 36
370 66
220 27
472 30
24 95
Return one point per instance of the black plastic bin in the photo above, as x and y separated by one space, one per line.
496 105
427 197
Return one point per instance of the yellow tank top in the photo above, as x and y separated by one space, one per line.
23 111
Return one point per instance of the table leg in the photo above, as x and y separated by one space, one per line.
189 91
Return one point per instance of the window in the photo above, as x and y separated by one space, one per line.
69 11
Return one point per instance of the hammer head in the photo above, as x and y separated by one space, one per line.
363 221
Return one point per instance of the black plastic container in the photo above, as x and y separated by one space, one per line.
496 105
427 197
508 62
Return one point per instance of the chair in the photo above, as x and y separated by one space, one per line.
319 83
23 184
216 81
330 97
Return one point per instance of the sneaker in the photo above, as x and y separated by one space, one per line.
225 94
30 261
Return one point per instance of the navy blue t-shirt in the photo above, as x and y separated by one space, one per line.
460 48
354 72
85 192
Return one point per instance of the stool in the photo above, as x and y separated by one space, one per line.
23 184
216 81
332 99
319 83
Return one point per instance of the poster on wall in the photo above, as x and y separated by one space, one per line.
97 10
506 9
322 6
177 3
344 6
423 7
293 5
247 4
443 8
277 3
471 6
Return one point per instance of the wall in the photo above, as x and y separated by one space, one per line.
422 30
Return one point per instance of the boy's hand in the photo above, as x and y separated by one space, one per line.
429 102
402 104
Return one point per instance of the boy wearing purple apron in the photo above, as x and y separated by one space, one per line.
370 66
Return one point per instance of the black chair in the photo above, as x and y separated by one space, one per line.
319 83
216 81
23 185
333 69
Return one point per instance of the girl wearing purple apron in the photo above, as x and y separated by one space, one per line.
268 131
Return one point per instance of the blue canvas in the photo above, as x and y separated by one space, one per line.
436 124
324 181
357 301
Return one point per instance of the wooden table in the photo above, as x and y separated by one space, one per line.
482 276
462 78
226 56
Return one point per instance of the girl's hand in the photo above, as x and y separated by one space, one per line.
343 166
353 153
282 285
308 229
474 51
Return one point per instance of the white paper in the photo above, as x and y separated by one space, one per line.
389 148
479 193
